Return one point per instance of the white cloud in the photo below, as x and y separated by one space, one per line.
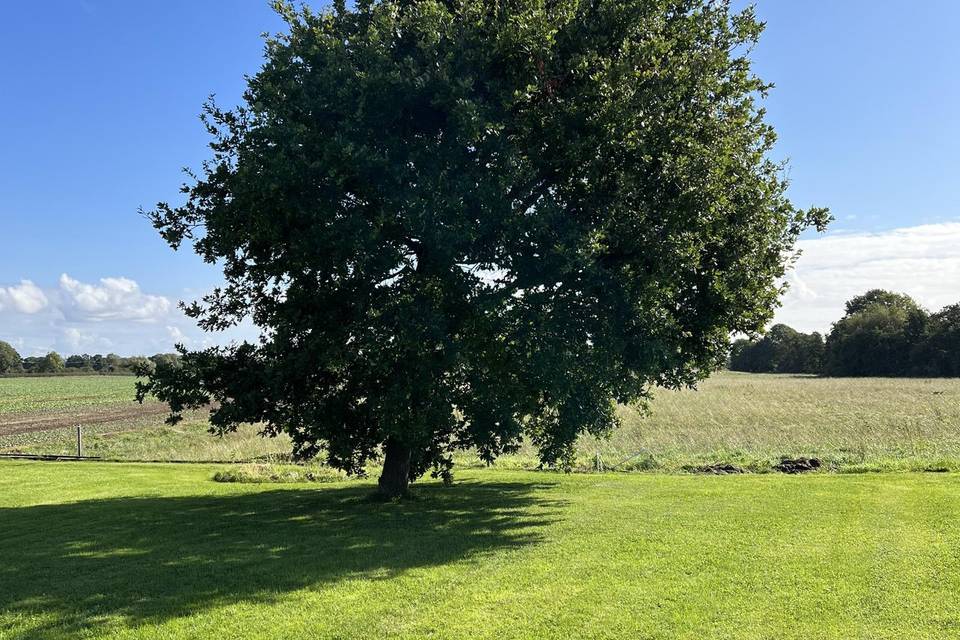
922 261
23 298
112 299
177 335
109 315
74 337
78 340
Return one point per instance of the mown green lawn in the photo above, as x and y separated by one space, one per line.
154 551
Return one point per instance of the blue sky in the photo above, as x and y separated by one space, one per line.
100 113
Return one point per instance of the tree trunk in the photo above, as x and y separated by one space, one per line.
395 477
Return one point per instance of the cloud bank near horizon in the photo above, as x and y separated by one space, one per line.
921 261
115 315
111 315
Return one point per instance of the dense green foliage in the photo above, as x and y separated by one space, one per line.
881 334
877 336
112 363
462 222
10 361
880 298
53 363
781 350
148 552
938 353
50 363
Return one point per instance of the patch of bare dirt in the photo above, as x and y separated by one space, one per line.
12 425
798 465
718 469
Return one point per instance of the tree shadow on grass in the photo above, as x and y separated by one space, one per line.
141 560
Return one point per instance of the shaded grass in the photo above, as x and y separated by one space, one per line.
151 551
157 552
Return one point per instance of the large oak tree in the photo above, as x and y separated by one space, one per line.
460 223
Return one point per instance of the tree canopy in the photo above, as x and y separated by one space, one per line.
938 353
781 350
877 336
882 334
50 363
459 223
881 298
10 361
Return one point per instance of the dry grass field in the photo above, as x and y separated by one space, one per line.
749 420
40 415
853 424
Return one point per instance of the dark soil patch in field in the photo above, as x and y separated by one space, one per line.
84 416
797 465
716 469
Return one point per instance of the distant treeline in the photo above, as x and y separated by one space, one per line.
881 334
11 364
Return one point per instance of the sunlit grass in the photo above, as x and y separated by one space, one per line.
161 551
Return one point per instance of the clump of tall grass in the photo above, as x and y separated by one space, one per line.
277 473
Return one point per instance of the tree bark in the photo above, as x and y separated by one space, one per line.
395 477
